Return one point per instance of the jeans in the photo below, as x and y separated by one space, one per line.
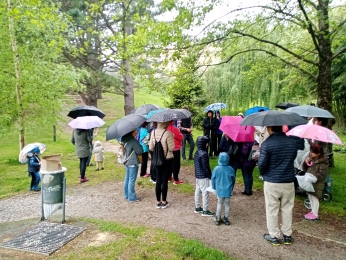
176 165
144 164
82 166
247 177
222 202
189 139
35 180
162 174
129 182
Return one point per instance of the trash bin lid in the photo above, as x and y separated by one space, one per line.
59 171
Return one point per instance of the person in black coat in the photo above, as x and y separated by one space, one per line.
210 125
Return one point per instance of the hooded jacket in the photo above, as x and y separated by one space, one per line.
178 136
81 139
131 145
201 159
223 177
33 162
276 160
319 169
98 151
209 124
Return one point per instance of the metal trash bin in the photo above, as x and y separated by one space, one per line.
53 192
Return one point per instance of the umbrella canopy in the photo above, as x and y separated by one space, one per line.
86 122
215 106
315 132
23 153
124 126
86 111
286 105
145 109
273 118
230 125
151 113
169 115
310 111
255 109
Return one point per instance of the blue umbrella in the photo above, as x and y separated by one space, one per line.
255 109
151 113
215 106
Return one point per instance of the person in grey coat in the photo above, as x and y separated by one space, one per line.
133 149
82 141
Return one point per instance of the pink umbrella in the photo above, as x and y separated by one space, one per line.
315 132
230 125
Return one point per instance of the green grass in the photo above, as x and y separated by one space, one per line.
145 243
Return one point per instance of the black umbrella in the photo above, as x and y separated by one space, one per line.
86 111
145 109
169 115
124 126
286 105
273 118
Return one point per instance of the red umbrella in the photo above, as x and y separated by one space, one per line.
230 125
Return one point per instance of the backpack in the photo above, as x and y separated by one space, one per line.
121 155
234 150
158 153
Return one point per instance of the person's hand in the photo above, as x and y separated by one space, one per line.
189 130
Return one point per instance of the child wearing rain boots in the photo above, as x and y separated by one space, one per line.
98 153
222 180
34 165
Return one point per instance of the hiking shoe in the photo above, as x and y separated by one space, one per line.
198 210
158 205
84 180
178 182
225 221
207 214
170 179
163 206
273 240
217 221
311 217
288 240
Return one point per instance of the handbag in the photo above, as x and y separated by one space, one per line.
255 152
140 158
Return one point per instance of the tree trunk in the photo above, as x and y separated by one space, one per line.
129 101
19 93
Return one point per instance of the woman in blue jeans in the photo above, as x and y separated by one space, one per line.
247 168
133 149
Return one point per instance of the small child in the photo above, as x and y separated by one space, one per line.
34 166
222 181
203 175
99 157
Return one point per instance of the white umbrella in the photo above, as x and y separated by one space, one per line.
86 122
23 153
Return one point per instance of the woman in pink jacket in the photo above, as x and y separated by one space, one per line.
178 138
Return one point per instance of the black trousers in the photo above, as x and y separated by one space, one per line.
82 166
144 163
218 140
176 165
162 174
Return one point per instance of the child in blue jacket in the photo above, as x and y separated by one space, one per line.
222 181
34 166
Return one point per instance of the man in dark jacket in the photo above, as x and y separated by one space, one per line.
276 165
210 125
185 126
203 176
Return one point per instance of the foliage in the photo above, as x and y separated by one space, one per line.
43 82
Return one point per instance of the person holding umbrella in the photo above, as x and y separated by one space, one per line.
34 165
209 126
82 141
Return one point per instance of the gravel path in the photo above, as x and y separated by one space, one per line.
243 239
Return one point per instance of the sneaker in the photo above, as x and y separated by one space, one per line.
170 179
36 189
225 221
146 175
198 210
217 221
308 215
158 205
163 206
311 217
288 240
154 182
84 180
178 182
102 168
273 240
136 200
96 169
246 193
207 214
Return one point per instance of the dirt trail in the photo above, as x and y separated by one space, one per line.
325 239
